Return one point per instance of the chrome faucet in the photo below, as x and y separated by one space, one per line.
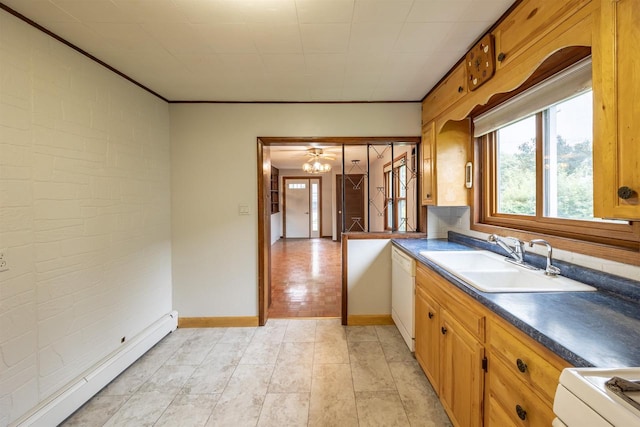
516 252
551 270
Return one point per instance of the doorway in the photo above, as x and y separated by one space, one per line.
361 155
302 208
353 209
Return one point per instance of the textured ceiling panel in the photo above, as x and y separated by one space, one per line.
273 50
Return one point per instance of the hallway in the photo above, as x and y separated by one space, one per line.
306 278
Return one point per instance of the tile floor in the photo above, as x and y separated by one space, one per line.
306 278
291 372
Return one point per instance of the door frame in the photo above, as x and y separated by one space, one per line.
284 203
264 206
339 201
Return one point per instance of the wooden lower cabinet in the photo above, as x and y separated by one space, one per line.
485 371
522 377
427 314
449 347
511 403
462 375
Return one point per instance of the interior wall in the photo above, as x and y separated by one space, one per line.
369 276
276 227
84 214
214 169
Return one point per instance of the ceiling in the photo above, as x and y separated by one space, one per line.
273 50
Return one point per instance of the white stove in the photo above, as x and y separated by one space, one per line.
583 399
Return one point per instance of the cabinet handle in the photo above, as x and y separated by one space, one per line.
625 192
522 367
430 315
443 330
501 56
428 196
522 414
460 89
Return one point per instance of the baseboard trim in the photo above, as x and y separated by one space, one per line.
217 322
369 319
76 393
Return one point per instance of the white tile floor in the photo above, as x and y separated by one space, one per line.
289 373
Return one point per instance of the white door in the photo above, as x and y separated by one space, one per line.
297 206
302 207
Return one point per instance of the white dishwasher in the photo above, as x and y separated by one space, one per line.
403 283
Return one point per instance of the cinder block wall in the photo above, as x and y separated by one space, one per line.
84 214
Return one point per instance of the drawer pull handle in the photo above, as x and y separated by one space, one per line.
522 414
460 89
501 56
443 330
430 315
522 367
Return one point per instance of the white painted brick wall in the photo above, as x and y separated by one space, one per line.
84 214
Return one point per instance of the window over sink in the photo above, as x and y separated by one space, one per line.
536 152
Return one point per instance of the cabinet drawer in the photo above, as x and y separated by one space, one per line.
528 23
452 88
472 319
429 282
511 397
457 303
540 370
496 415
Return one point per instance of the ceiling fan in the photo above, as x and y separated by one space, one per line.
317 153
314 163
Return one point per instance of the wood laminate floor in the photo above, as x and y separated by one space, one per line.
306 278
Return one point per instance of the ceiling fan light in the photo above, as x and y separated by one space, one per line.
316 167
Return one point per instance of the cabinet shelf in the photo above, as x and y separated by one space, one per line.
275 190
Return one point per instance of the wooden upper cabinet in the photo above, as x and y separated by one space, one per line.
445 150
528 23
428 145
616 145
447 93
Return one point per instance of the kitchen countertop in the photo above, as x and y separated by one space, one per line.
600 329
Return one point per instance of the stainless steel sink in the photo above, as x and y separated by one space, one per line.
489 272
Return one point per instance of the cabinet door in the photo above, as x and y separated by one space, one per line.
452 88
616 153
428 336
462 376
528 23
428 160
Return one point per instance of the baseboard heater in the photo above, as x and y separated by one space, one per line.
56 409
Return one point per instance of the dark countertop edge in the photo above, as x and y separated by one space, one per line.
362 235
533 333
